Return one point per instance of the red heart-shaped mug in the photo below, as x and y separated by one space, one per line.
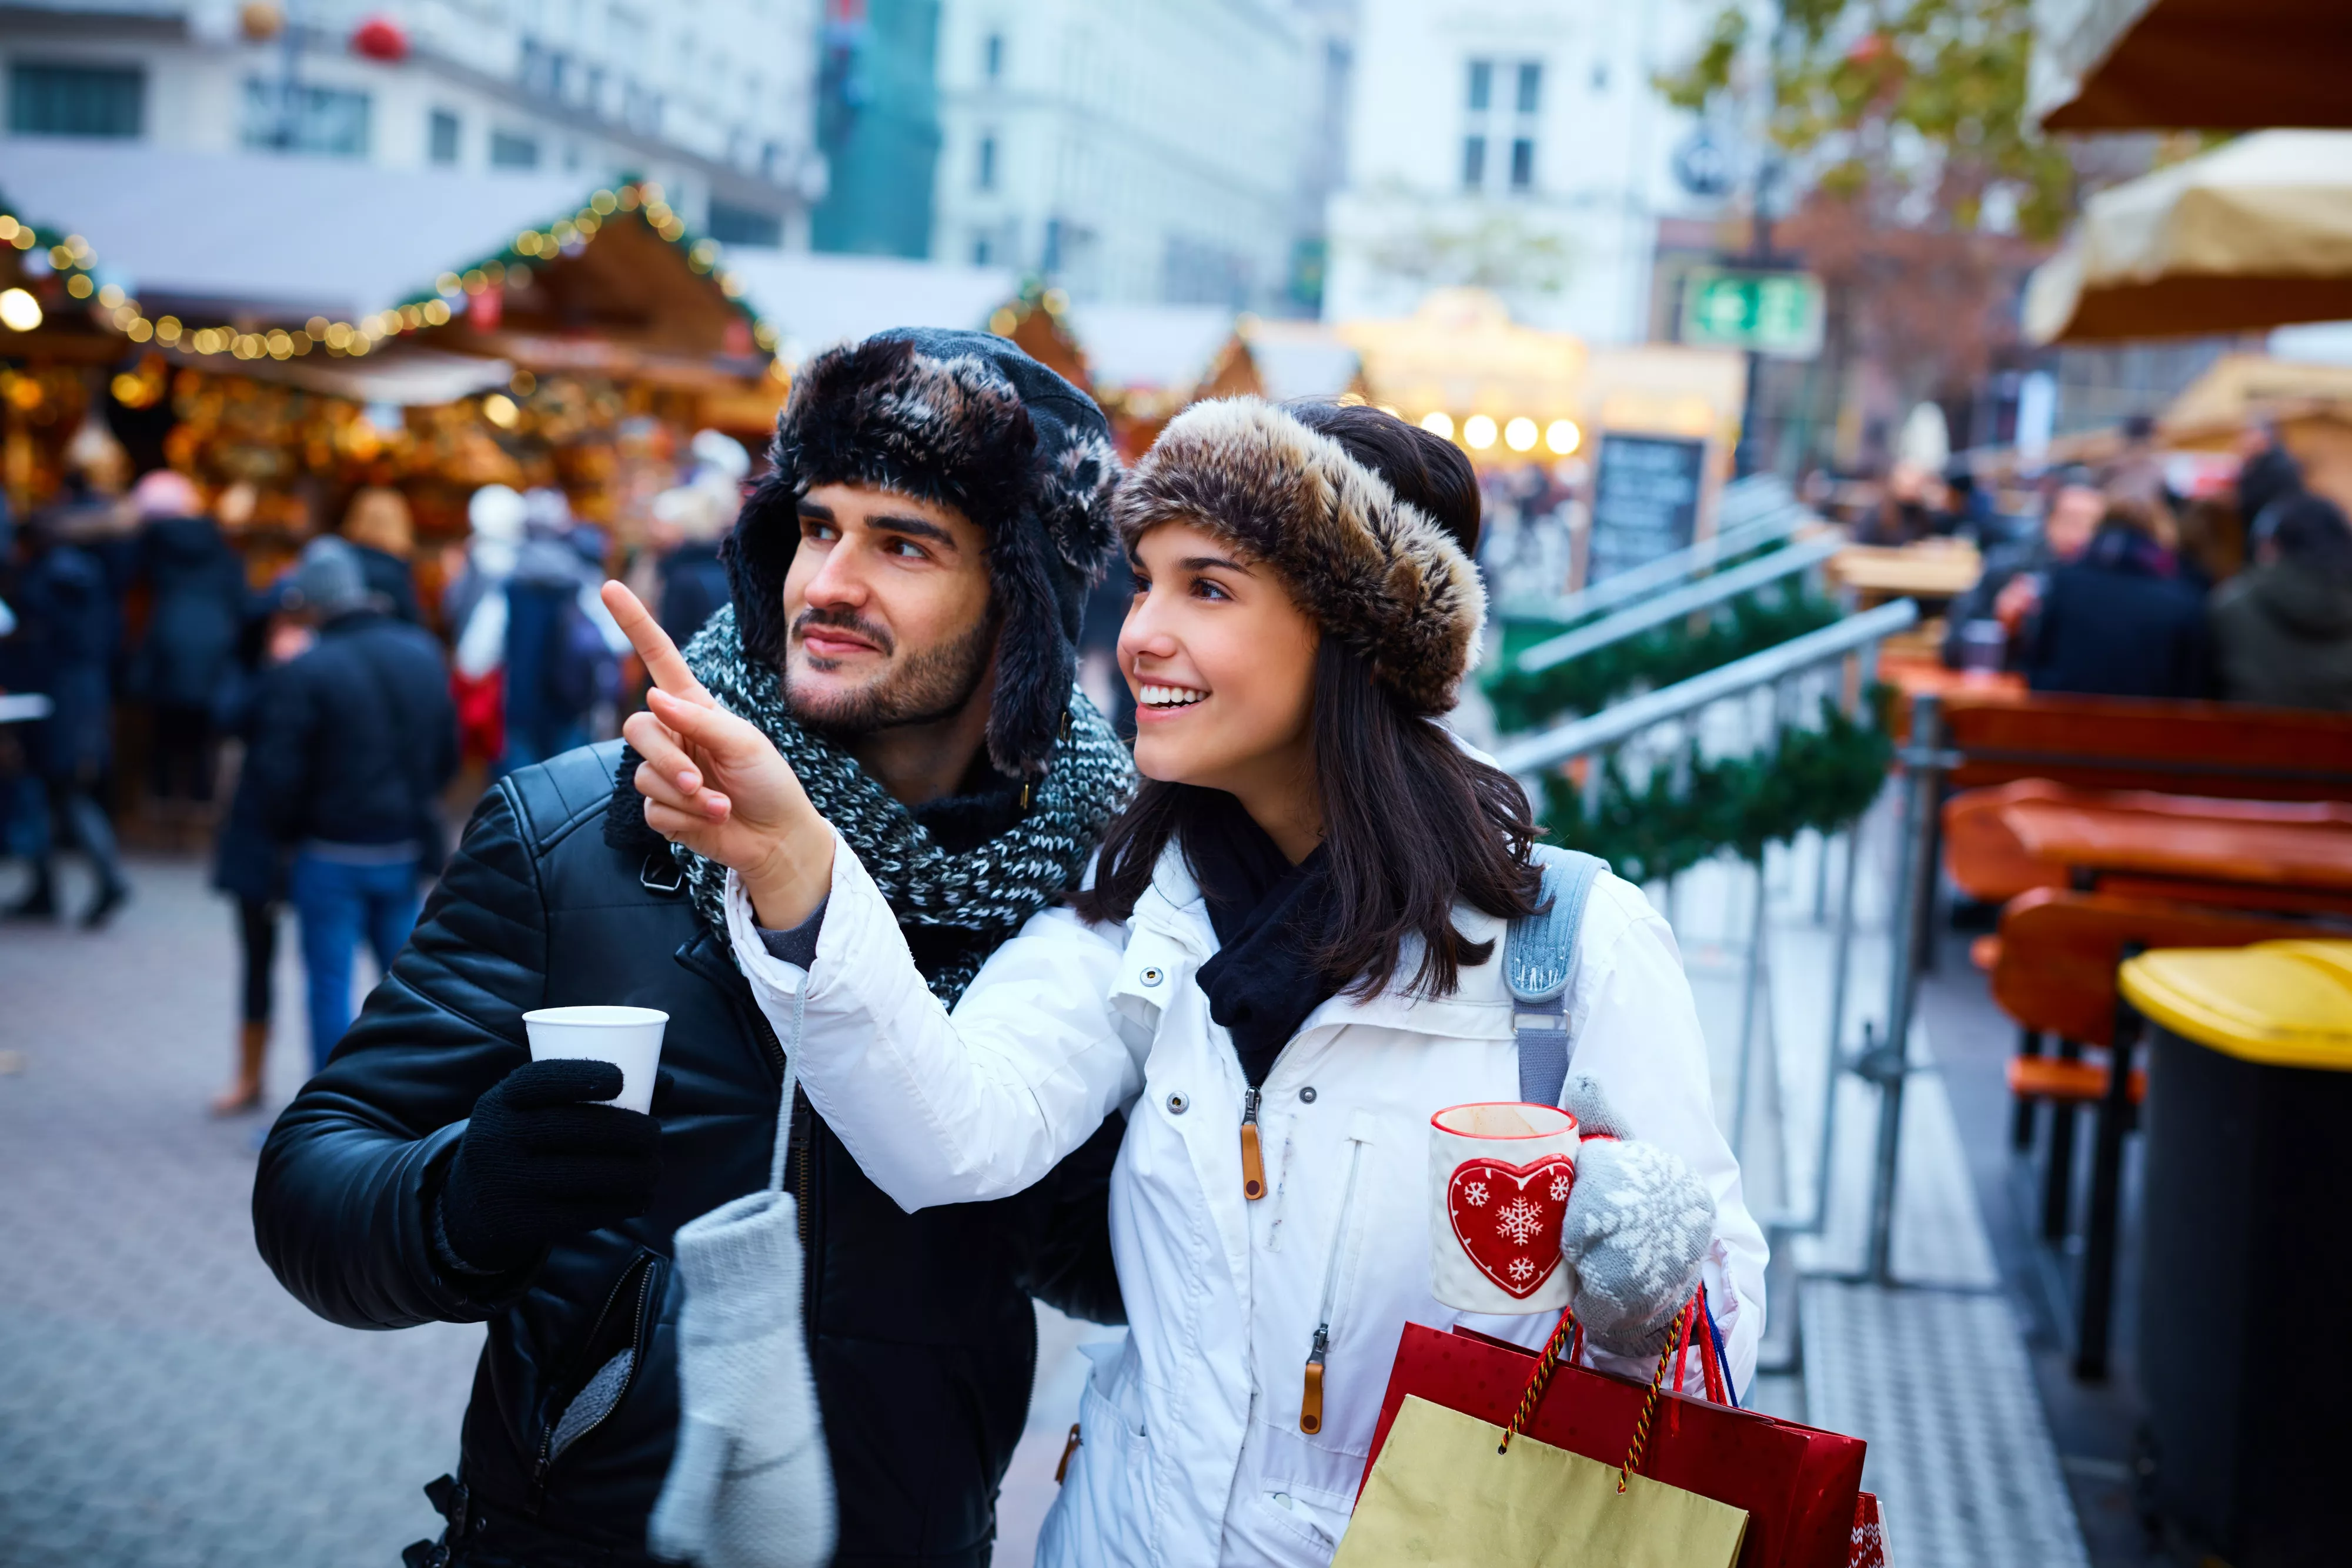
1499 1177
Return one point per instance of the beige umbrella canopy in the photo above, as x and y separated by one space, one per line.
2248 237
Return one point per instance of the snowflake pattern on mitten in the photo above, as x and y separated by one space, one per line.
1639 1224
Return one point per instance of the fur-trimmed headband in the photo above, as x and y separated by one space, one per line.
1375 571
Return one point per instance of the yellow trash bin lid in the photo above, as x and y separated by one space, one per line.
2281 1004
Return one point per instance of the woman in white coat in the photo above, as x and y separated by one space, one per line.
1288 958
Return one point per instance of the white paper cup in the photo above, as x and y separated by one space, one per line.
1499 1177
628 1037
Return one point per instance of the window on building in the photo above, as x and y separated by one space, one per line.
1523 163
993 56
1530 85
75 100
732 225
299 118
1601 75
1473 163
512 150
984 172
984 250
1482 85
441 137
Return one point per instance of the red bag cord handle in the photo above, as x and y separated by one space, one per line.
1568 1336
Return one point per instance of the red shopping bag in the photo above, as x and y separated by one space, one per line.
1800 1485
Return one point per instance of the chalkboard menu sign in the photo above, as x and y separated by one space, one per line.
1644 501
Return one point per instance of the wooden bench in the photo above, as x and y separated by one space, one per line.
1987 860
2214 749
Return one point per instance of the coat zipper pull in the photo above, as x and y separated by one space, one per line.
1310 1402
1252 1157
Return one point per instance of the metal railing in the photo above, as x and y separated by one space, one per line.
1611 725
1703 594
1601 736
1754 512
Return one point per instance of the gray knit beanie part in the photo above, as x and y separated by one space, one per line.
329 581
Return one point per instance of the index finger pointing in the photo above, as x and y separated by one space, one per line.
664 662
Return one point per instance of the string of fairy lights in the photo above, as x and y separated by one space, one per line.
71 257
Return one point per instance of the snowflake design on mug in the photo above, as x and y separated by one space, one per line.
1475 1195
1522 1270
1519 1219
1561 1184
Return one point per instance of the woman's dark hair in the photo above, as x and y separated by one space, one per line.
1412 824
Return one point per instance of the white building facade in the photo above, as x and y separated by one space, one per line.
1131 151
715 99
1514 144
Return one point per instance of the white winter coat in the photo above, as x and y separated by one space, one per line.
1191 1450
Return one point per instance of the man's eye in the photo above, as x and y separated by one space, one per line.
823 533
1208 589
907 549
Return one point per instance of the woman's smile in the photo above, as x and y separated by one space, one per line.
1160 700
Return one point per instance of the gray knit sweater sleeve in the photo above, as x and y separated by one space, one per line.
798 946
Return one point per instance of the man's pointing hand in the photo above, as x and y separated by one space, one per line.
714 782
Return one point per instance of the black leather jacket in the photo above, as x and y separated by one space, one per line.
921 1333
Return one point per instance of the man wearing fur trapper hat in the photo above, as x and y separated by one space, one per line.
906 584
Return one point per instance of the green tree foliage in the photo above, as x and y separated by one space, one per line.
1913 109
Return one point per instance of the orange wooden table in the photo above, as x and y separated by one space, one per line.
2276 865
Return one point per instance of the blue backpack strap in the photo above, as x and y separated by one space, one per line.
1539 955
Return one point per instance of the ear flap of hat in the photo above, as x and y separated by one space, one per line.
1036 658
757 554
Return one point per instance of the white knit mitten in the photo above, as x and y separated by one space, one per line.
749 1485
1638 1226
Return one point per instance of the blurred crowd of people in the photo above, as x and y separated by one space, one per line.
328 706
2119 587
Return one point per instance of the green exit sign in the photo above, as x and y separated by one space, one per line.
1775 313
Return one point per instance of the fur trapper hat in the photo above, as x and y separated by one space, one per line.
963 420
1372 571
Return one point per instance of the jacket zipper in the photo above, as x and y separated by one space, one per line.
799 1150
643 1269
1310 1402
1252 1157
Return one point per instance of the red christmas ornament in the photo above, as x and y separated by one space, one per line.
379 38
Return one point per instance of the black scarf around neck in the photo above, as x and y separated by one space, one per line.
1271 917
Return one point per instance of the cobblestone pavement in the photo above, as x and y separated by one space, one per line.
165 1402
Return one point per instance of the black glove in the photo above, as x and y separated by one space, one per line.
539 1162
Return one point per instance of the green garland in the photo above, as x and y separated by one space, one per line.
1819 778
1658 657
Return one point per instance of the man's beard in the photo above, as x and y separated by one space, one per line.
931 685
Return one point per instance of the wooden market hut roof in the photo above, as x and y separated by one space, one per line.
56 276
618 286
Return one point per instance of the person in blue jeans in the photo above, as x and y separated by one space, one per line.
353 744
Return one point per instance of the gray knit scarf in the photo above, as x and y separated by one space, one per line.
986 894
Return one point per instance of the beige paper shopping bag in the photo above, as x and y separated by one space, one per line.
1441 1495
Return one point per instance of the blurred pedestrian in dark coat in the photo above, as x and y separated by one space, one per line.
555 652
2119 622
67 631
2283 628
351 747
185 664
248 863
2010 586
688 523
378 528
